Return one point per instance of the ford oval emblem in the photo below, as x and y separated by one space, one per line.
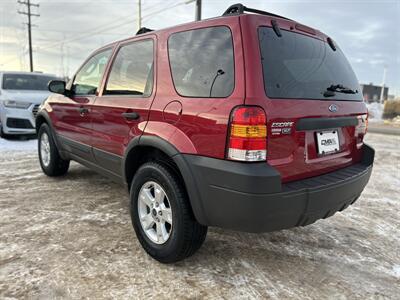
333 108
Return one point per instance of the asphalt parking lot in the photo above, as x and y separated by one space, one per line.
71 237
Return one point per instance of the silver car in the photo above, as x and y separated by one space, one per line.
21 93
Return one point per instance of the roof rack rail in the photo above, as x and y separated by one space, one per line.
238 9
143 30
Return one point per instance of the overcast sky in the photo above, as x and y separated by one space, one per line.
68 31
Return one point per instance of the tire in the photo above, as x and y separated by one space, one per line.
186 235
50 161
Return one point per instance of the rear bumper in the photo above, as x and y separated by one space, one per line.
250 197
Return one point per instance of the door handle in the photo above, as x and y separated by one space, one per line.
83 111
131 115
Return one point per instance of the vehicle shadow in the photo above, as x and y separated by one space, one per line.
220 243
22 137
312 262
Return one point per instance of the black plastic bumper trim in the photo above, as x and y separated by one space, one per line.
325 123
19 123
250 197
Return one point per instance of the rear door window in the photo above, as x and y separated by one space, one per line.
202 62
132 70
299 66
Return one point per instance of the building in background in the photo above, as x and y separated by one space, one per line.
372 93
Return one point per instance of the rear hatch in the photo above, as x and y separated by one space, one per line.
315 111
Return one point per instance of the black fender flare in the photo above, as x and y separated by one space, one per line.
182 164
151 141
44 114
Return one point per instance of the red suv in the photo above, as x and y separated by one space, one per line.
251 122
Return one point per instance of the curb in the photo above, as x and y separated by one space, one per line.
390 131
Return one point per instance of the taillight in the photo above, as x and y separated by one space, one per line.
362 124
361 129
247 139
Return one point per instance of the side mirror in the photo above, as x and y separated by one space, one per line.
57 86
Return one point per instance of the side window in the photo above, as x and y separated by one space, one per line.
88 78
132 70
202 62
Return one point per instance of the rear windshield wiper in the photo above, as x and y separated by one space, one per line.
338 88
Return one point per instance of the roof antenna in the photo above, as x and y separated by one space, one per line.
143 30
276 28
331 44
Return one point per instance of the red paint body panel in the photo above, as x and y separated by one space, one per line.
200 125
111 131
202 119
295 155
67 119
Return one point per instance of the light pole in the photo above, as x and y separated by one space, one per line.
29 14
383 84
139 14
198 8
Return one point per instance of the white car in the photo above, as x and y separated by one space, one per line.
21 93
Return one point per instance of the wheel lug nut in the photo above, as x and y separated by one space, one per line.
160 213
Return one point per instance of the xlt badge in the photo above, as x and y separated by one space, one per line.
278 128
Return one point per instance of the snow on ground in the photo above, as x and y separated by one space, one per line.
71 237
18 145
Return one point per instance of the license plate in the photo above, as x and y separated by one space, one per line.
328 142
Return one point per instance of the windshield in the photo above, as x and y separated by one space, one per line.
26 82
298 66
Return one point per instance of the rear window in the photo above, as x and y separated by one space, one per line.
29 82
202 62
298 66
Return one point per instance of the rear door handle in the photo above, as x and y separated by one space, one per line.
83 111
131 115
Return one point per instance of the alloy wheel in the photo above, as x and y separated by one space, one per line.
155 212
